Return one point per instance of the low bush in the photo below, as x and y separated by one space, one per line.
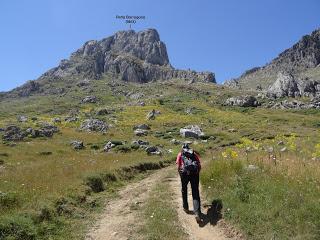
95 183
18 228
8 200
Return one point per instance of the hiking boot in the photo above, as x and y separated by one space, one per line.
198 218
186 210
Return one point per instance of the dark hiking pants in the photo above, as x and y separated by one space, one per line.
194 181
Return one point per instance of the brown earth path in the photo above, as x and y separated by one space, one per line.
120 219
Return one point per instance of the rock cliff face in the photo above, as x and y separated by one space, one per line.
299 61
287 86
132 56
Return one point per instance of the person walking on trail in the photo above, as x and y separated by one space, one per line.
188 163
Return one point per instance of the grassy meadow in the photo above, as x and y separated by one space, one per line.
47 187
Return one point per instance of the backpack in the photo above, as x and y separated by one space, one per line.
190 164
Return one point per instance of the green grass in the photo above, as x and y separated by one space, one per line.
273 202
160 216
31 179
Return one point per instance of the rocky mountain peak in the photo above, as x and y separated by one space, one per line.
128 55
144 45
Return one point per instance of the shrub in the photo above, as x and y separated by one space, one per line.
8 200
18 228
95 183
108 177
64 207
134 146
1 161
95 147
46 214
123 148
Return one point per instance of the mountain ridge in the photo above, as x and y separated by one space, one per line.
297 60
128 55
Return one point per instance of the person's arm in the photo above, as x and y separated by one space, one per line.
178 161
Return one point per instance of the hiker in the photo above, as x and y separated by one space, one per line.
189 167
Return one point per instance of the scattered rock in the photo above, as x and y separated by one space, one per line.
89 99
22 118
77 145
71 119
284 149
111 144
193 131
294 104
243 101
56 120
140 143
142 126
252 168
232 130
93 125
152 114
140 132
136 96
13 133
83 83
153 150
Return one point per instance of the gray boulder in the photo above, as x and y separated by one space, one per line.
56 120
89 99
152 114
77 145
243 101
142 126
284 86
93 125
141 132
140 143
13 133
153 150
192 131
22 118
108 146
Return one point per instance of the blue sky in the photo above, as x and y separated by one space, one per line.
226 36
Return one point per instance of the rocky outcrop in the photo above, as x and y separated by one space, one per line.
93 125
192 131
287 86
242 101
295 104
128 55
297 60
15 133
131 56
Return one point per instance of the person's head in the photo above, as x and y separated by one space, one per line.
187 150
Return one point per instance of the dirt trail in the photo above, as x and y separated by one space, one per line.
119 221
212 228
